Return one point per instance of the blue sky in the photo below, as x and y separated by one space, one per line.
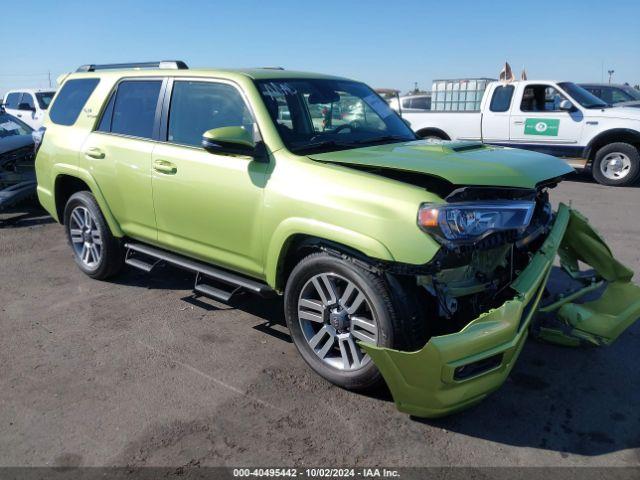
386 44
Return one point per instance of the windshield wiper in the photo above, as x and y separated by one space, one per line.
321 145
383 138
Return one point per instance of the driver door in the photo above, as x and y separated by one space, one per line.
207 205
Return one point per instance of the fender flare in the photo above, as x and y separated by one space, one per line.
87 178
610 136
436 131
314 228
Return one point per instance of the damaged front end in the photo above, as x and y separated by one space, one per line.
489 297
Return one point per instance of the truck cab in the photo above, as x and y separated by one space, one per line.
557 118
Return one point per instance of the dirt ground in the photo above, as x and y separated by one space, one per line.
137 372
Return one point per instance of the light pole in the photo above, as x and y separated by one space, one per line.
611 72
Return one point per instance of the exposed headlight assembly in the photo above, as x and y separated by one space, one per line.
469 222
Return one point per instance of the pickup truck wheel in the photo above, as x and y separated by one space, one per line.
96 251
616 164
331 304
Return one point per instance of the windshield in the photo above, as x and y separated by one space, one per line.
580 95
314 115
631 92
11 126
44 99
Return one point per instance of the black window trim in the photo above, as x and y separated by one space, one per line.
163 127
156 120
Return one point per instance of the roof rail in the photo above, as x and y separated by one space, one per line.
168 64
272 68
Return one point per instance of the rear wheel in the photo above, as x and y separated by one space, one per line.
616 164
330 305
96 251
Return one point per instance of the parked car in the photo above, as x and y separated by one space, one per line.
412 103
619 95
29 105
558 118
17 176
399 259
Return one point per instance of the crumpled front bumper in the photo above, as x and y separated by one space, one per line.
452 372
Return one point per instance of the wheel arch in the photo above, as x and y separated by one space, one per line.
625 135
288 246
68 183
432 131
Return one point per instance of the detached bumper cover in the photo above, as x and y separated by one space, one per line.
452 372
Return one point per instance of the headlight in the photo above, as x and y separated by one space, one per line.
468 222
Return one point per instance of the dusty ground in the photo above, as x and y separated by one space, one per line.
135 372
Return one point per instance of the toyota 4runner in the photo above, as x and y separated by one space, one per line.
420 264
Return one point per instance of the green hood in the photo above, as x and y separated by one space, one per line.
461 163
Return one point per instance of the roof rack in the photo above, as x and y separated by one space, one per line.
272 68
168 64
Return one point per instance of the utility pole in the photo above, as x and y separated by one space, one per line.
49 75
611 72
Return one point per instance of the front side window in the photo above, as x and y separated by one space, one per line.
71 99
541 98
13 99
44 99
200 106
325 115
27 101
134 108
618 95
501 99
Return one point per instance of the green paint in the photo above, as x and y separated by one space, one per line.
547 127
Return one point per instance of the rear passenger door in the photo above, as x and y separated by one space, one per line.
208 206
118 154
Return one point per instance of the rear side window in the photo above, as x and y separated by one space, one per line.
134 108
501 100
71 100
13 99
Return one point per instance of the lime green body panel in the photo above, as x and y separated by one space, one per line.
423 383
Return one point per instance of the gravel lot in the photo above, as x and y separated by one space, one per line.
137 372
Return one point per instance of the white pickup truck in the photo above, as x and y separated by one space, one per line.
558 118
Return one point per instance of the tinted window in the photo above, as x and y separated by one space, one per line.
10 126
71 99
423 103
200 106
501 100
135 108
406 103
27 99
105 122
44 99
12 100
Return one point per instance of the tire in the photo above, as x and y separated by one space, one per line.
616 164
96 251
378 302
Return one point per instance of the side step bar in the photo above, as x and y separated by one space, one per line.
202 270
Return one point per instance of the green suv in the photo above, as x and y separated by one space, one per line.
403 261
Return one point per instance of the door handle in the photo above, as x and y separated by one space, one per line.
518 122
163 166
94 152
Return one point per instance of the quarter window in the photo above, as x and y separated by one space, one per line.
28 100
501 100
71 99
134 108
200 106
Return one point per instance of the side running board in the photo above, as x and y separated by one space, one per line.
228 283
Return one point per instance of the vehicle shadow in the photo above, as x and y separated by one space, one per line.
582 177
24 216
582 401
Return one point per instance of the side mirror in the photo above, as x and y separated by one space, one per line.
566 105
229 141
26 106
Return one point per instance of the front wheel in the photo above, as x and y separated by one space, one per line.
330 305
616 164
